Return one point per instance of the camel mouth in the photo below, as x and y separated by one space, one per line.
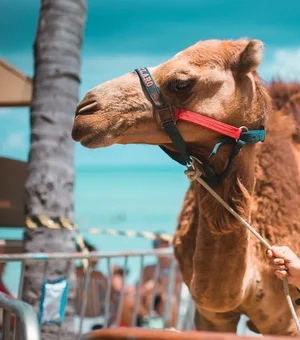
92 130
87 107
94 142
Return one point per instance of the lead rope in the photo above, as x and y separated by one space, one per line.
193 173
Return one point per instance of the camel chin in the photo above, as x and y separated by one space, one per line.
94 131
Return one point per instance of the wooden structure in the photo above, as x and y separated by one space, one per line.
15 91
12 179
15 86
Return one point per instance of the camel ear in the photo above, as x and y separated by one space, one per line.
250 57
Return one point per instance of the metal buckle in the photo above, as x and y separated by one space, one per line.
164 115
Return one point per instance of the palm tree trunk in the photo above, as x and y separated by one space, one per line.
50 182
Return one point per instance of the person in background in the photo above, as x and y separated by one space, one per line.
118 279
161 287
148 286
3 288
96 288
118 276
164 263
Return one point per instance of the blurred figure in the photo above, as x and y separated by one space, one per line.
153 295
3 287
161 287
119 275
96 288
164 263
118 279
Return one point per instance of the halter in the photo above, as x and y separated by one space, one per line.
167 116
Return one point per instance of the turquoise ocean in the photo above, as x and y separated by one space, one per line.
140 198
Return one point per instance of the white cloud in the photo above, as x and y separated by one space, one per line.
283 63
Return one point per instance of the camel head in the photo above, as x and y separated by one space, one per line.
215 78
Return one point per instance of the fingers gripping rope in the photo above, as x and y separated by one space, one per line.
193 173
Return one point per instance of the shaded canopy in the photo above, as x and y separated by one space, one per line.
12 179
15 90
15 86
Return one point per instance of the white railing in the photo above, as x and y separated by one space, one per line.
19 321
175 308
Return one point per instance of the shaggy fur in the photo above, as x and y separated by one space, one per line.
223 265
274 214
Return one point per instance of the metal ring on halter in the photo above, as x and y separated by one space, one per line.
244 128
193 160
191 165
197 160
193 171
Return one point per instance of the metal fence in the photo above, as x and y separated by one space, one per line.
19 321
103 301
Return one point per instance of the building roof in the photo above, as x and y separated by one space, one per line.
15 86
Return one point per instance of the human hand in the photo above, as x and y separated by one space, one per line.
285 263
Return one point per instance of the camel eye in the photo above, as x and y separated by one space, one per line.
180 85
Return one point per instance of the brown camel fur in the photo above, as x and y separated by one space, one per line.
222 264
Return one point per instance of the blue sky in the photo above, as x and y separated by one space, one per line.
121 35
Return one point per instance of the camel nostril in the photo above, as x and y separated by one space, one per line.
86 107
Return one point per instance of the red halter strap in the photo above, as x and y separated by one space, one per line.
207 122
167 116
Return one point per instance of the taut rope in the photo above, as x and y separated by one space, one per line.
194 173
132 233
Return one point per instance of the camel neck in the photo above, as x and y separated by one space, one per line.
222 242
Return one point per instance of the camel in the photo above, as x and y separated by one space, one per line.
223 265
